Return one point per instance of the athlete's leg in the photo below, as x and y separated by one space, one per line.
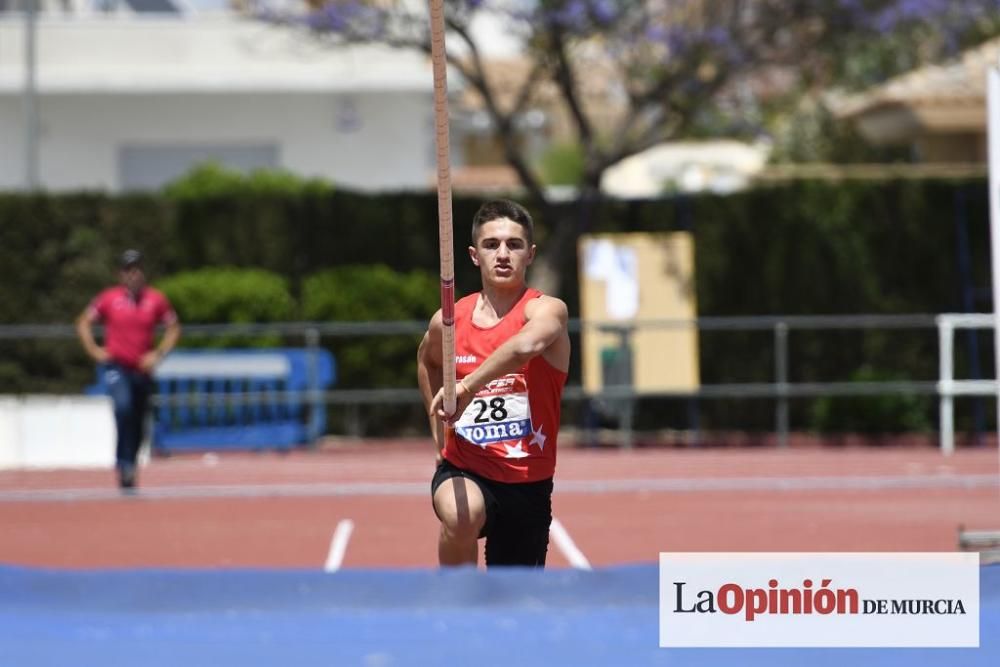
459 504
519 532
523 542
141 388
119 386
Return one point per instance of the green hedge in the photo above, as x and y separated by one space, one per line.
239 296
372 293
211 179
895 413
799 248
341 294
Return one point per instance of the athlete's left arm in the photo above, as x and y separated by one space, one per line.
544 329
171 336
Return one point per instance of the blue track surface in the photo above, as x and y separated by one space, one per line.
243 618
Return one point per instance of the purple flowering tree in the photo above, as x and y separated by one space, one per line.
674 68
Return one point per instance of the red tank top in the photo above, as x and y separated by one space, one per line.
509 431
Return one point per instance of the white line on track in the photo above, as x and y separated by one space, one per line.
338 545
675 485
567 546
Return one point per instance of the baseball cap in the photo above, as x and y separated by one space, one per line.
130 257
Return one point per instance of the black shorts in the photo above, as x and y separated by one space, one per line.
517 517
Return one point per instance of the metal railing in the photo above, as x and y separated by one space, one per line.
780 389
948 387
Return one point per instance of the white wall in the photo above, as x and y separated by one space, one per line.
10 433
386 144
56 432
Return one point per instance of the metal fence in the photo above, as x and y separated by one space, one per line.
779 389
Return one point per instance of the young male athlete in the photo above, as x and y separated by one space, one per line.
497 452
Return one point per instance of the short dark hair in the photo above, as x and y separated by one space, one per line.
503 208
130 258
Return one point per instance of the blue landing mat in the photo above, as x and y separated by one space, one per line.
250 618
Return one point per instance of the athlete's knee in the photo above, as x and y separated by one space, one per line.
461 522
461 510
461 528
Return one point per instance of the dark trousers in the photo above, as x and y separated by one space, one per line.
129 390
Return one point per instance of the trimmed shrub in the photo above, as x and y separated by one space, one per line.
229 295
372 293
871 414
211 179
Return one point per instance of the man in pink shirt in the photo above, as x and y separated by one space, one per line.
130 313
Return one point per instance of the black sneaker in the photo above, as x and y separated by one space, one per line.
126 477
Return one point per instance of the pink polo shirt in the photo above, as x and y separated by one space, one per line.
130 323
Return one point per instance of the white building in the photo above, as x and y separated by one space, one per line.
720 166
134 96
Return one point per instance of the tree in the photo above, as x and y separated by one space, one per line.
675 68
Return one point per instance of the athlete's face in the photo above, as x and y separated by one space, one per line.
502 253
133 278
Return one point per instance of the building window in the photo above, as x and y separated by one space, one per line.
148 167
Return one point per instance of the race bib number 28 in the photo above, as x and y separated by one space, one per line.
498 413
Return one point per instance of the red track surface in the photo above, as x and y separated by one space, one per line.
274 510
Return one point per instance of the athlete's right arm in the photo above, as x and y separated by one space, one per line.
430 373
85 331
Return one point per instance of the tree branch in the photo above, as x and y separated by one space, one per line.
474 73
565 79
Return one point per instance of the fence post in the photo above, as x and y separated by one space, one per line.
628 380
781 382
627 421
946 385
315 400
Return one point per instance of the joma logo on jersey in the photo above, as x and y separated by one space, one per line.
489 433
465 359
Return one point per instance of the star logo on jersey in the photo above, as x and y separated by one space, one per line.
515 452
538 438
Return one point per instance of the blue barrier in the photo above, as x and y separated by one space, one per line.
222 416
251 618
